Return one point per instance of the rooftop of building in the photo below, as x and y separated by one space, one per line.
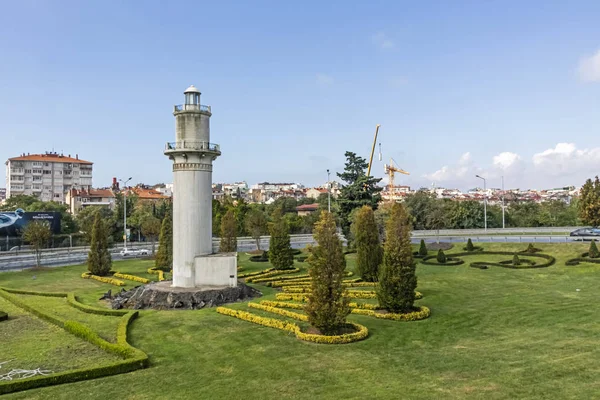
93 193
308 207
50 157
147 194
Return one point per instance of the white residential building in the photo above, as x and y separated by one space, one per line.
48 176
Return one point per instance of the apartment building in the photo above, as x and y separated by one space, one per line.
48 176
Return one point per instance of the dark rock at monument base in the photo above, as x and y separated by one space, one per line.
161 296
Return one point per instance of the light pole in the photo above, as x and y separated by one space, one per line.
328 193
502 201
125 213
484 202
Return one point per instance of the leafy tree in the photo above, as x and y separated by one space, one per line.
150 227
470 246
359 189
397 279
366 240
589 202
516 261
327 307
422 248
593 251
85 219
99 260
228 233
441 256
280 249
256 225
37 234
419 206
164 255
466 215
437 218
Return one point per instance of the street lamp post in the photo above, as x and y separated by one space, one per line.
502 201
328 193
125 213
484 202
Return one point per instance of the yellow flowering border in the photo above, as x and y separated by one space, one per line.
282 278
282 304
275 310
116 282
160 273
273 273
255 273
423 313
361 331
290 297
131 277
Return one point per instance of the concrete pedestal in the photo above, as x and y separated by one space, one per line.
216 270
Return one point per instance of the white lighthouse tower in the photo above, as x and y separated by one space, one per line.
194 264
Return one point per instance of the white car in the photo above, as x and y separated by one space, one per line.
134 253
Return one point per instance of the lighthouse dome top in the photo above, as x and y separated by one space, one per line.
191 89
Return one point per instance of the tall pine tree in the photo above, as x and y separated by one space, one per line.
397 279
359 189
99 260
327 307
228 233
280 249
164 255
589 202
366 241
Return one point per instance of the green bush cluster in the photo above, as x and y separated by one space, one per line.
453 259
422 249
133 358
593 251
450 261
441 256
531 249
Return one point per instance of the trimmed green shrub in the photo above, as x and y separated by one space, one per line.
470 246
73 302
593 252
264 257
3 316
164 254
531 249
422 248
99 260
450 261
441 256
280 249
366 239
515 260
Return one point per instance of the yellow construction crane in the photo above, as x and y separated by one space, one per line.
390 170
373 150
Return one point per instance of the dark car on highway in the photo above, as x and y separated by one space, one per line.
586 232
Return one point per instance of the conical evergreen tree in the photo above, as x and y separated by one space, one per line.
516 260
327 307
422 248
470 246
99 260
366 239
228 233
164 255
441 256
593 252
280 249
397 279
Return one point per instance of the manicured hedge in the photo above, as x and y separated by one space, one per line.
34 293
521 260
479 264
259 258
450 261
576 261
3 316
302 258
135 358
72 300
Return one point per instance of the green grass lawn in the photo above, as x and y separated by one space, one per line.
495 334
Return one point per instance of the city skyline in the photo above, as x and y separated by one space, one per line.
291 90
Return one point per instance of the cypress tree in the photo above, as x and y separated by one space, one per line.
397 279
441 256
516 261
366 240
470 246
327 307
99 260
228 233
422 248
593 252
280 249
164 255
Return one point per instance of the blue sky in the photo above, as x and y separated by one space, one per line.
497 87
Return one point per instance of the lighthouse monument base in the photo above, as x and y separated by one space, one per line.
162 296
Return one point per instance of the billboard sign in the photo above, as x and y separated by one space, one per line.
13 222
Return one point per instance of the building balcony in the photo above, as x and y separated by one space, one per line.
191 107
192 145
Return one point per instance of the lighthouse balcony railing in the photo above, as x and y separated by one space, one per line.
192 145
191 107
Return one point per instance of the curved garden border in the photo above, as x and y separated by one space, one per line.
133 358
450 261
550 260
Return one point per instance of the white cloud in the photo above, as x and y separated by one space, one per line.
507 161
452 173
381 40
589 68
324 79
566 159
